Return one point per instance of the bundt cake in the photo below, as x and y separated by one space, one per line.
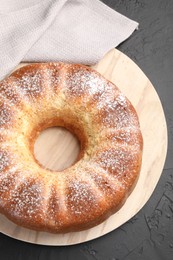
39 96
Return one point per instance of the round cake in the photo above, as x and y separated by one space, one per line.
78 98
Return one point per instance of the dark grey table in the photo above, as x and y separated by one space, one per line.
149 234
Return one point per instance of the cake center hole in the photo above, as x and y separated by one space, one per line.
56 148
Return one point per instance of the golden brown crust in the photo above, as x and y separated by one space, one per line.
78 98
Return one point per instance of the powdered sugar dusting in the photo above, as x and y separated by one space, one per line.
5 134
53 203
116 112
127 136
40 82
120 161
88 85
8 181
10 90
5 115
19 190
83 196
83 82
101 177
27 199
32 84
4 160
80 197
112 107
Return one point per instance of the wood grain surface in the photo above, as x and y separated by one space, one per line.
62 148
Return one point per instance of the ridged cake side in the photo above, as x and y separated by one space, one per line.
38 96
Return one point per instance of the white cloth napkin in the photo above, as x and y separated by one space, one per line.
78 31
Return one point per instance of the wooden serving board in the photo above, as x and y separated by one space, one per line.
122 71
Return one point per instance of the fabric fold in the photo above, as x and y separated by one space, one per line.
77 31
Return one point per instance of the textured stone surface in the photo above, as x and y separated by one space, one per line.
149 234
